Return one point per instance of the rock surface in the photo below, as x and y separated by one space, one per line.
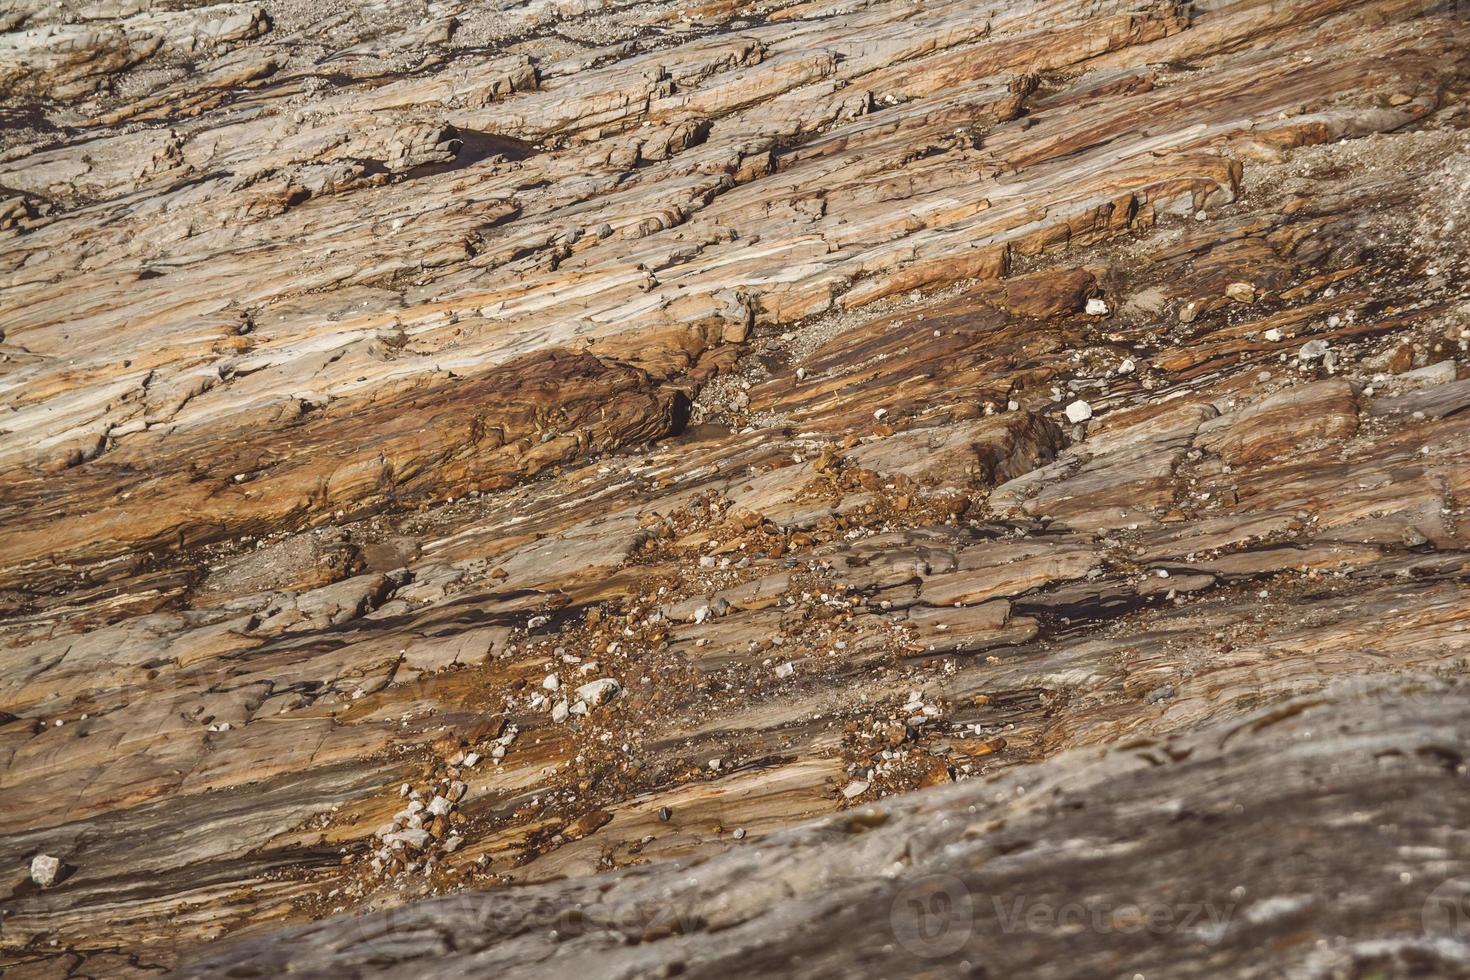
981 879
446 447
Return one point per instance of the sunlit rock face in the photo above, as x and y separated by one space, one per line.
640 489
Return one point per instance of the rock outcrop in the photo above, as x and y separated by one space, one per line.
643 454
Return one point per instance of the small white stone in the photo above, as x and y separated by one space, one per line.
45 869
1127 366
600 691
1273 335
1096 307
551 683
785 670
1312 350
1078 411
414 837
855 788
439 806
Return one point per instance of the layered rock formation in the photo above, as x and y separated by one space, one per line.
566 446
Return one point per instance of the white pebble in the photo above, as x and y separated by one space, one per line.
1079 411
600 691
45 869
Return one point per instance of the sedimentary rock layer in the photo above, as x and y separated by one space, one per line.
445 451
979 879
